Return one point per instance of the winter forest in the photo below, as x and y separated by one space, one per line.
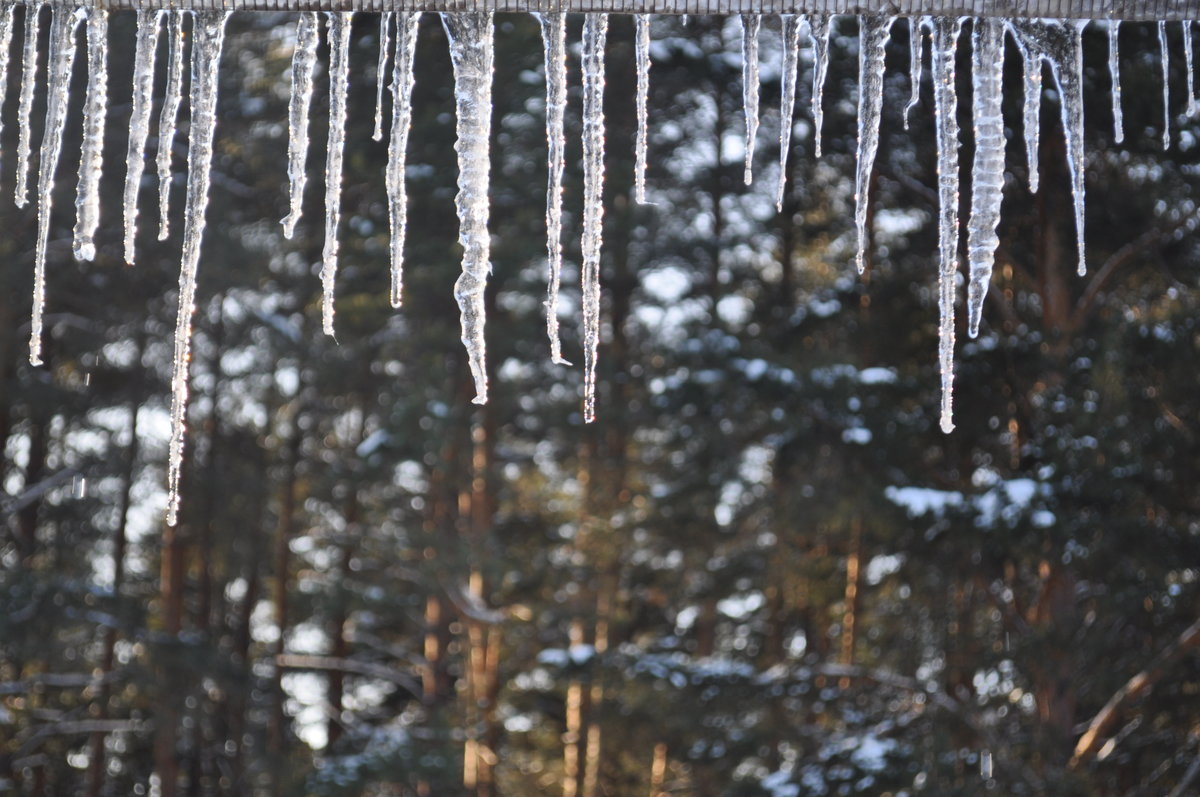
710 534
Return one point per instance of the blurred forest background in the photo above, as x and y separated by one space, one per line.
763 571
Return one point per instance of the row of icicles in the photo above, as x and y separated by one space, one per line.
1055 42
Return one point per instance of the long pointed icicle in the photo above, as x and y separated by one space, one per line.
29 70
787 100
139 121
6 29
872 41
554 32
945 97
1064 50
472 54
91 158
1032 67
385 43
1189 61
642 56
1165 56
208 31
62 55
304 58
915 39
750 27
987 173
1114 72
595 36
818 29
167 118
339 80
402 88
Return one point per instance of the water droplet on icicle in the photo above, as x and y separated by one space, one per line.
172 98
595 35
339 81
873 32
818 27
787 100
208 34
641 39
304 58
987 172
554 31
945 97
915 40
29 70
385 43
750 27
139 121
403 79
91 157
472 53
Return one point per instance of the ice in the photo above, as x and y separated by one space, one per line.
787 100
208 33
987 173
945 97
554 29
29 69
139 122
304 58
403 79
339 80
642 56
1191 67
1165 60
595 35
818 28
750 25
91 157
915 40
1032 67
385 43
63 23
6 26
166 120
472 54
1114 71
873 32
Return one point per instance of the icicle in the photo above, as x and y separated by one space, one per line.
1063 49
595 35
554 31
6 26
63 22
303 60
29 69
1032 66
1114 71
91 157
987 173
402 88
1165 56
945 96
750 26
166 120
1188 56
385 43
787 99
472 55
872 42
139 121
914 66
818 28
208 33
642 54
339 80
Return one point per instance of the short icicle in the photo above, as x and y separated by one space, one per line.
304 59
403 79
750 27
554 32
872 42
915 39
63 22
339 81
167 119
641 50
6 29
472 54
385 44
1114 72
91 157
787 101
945 97
29 70
139 122
208 33
1189 62
595 35
987 173
818 30
1032 67
1165 60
